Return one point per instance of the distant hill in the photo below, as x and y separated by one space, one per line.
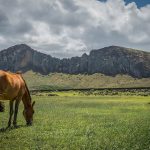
67 81
110 61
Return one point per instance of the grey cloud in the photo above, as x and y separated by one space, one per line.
51 14
3 18
3 21
11 22
71 6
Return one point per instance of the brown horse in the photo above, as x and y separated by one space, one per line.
13 88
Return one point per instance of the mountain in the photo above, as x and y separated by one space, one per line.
110 61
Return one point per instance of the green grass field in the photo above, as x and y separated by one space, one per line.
71 122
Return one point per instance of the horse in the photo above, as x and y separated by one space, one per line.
14 88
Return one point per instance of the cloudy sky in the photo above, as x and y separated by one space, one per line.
65 28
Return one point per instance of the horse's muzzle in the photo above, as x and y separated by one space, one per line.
29 123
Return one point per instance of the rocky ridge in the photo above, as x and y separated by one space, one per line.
110 61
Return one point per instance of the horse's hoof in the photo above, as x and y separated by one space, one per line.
9 125
15 126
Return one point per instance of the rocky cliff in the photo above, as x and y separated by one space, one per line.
111 61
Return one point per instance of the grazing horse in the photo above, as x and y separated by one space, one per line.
13 88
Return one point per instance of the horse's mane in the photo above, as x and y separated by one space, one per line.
26 86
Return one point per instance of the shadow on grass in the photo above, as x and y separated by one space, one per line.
12 128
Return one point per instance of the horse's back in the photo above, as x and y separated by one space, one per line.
10 85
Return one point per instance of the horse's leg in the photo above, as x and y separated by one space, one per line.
16 112
10 112
2 107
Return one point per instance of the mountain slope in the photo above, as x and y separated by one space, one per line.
110 61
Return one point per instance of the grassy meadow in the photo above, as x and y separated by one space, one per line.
73 121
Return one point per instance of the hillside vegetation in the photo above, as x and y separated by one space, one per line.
67 81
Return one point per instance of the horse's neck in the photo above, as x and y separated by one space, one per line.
26 100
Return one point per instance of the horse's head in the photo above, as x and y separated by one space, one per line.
28 114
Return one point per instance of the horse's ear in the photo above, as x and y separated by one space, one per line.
33 103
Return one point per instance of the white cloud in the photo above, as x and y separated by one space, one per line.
2 40
66 28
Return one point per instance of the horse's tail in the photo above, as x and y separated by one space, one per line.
2 107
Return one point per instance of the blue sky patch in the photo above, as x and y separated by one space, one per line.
139 3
